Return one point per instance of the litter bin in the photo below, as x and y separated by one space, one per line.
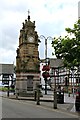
60 97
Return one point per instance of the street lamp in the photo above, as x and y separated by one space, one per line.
43 37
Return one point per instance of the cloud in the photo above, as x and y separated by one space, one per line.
7 56
51 16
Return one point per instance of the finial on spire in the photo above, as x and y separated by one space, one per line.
28 15
28 12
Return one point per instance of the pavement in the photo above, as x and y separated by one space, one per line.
47 101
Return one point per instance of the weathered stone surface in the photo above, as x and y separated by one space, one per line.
27 59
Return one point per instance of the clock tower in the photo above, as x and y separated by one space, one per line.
27 59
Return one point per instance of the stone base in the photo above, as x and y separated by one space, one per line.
26 94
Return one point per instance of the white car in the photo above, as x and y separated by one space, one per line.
3 85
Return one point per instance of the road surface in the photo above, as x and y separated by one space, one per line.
21 109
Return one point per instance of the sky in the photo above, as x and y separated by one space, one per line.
51 18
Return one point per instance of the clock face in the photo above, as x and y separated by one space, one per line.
30 39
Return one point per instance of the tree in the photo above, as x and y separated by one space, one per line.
68 47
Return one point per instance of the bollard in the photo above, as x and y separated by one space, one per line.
35 95
8 90
8 93
17 96
69 94
38 96
55 99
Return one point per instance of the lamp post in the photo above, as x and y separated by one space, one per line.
73 70
55 92
43 37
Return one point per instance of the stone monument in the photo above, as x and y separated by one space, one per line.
27 60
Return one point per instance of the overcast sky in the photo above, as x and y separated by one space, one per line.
51 18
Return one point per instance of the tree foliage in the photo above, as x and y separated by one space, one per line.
68 47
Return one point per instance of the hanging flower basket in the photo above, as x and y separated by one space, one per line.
46 68
45 74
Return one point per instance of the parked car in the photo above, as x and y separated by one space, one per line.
77 100
3 85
